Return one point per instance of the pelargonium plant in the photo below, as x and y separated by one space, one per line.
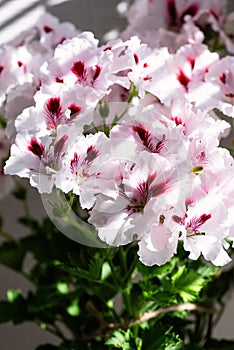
122 142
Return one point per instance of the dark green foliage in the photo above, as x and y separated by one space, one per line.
79 287
161 337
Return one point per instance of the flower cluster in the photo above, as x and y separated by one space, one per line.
173 23
131 130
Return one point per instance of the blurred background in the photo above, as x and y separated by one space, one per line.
104 18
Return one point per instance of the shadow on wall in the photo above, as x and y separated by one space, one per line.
94 15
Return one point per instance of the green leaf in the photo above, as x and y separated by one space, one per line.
121 339
165 298
188 283
161 337
157 271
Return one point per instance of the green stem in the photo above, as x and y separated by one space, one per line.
127 301
135 331
133 93
83 230
115 277
132 268
118 118
123 259
230 149
95 128
98 281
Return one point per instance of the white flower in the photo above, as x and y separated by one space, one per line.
85 170
52 32
37 159
148 184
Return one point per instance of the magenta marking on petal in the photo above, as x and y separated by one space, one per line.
213 13
172 12
79 70
97 72
136 58
188 202
147 77
92 153
1 69
74 111
195 223
159 146
54 113
47 29
74 163
58 147
144 134
204 218
107 48
158 189
19 63
222 78
177 120
36 148
53 105
62 40
178 219
58 80
146 139
191 10
192 62
201 157
143 193
183 79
